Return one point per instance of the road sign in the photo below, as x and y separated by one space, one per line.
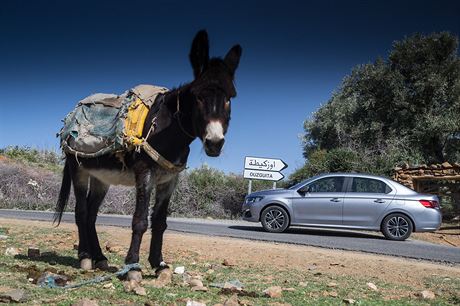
262 175
266 164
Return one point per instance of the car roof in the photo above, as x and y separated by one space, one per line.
351 174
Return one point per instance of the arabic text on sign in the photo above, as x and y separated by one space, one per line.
266 164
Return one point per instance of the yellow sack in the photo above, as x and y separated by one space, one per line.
135 120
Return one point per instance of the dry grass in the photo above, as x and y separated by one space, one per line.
308 270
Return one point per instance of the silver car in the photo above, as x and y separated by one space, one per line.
348 201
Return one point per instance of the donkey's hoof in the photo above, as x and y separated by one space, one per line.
134 275
86 264
162 266
102 265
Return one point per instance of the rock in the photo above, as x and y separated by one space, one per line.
140 291
233 284
199 288
333 294
85 302
427 295
179 270
130 285
194 303
288 289
274 292
372 286
349 301
13 295
134 275
86 264
332 284
164 278
108 286
11 251
33 252
195 283
232 301
303 284
446 165
229 263
312 267
3 237
112 247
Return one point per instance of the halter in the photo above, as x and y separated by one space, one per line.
177 116
154 153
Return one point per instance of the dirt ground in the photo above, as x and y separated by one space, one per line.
245 253
448 234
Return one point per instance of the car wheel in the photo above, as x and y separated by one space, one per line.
397 227
274 219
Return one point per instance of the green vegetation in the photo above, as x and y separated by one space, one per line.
43 158
404 109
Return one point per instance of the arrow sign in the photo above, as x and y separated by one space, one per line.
266 164
262 175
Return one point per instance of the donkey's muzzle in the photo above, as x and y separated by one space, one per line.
213 147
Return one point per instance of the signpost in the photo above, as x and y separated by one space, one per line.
260 168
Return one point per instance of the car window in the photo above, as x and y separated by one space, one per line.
329 184
366 185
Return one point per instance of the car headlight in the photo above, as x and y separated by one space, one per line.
252 200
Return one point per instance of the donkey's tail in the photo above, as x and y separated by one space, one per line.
63 194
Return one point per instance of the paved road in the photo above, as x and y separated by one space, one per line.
343 240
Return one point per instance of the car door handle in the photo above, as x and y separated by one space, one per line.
335 200
379 201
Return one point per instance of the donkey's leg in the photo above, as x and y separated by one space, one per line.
97 192
144 186
80 180
158 218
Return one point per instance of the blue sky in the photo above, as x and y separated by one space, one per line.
295 54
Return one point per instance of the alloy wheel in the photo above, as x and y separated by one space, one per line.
274 219
398 226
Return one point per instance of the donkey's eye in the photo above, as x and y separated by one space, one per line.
227 105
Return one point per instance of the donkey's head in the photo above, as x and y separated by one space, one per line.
212 92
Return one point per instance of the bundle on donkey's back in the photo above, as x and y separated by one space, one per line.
142 139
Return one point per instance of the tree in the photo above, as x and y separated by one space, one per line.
404 109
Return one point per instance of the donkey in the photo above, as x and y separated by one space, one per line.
197 109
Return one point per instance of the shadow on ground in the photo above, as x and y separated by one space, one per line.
310 231
52 258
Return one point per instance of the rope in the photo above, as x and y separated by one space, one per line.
50 281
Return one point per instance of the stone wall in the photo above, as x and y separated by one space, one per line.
408 175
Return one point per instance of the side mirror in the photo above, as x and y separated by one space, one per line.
303 191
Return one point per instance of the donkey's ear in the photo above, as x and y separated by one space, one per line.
199 54
232 58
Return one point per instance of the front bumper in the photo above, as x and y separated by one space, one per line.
250 213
